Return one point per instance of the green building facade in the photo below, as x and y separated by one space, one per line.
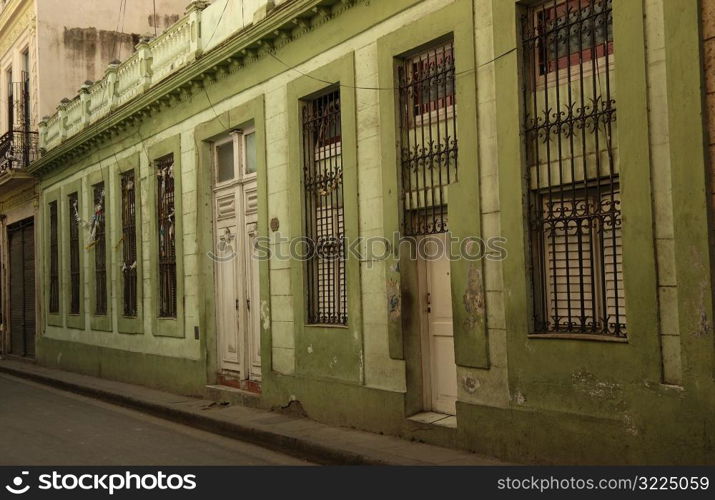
573 321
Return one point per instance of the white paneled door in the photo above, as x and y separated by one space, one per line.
439 367
237 281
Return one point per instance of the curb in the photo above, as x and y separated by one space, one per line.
296 447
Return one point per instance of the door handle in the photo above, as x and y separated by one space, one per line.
248 304
428 299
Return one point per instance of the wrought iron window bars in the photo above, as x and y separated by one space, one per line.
129 244
74 222
324 223
54 302
572 162
428 137
166 218
100 251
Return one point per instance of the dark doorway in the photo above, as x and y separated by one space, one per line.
21 239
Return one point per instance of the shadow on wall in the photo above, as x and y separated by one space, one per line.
161 22
89 47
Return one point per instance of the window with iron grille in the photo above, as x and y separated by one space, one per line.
54 306
428 137
324 216
129 244
572 160
73 202
166 219
100 251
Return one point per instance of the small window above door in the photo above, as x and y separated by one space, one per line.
249 152
235 156
225 161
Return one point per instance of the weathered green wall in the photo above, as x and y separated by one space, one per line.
181 375
650 400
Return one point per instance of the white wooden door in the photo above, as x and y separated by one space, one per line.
227 262
237 280
438 359
251 283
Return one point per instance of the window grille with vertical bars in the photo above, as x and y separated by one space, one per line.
166 218
324 210
54 306
74 217
428 137
572 160
129 244
100 251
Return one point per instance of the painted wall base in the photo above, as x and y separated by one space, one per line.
519 435
651 433
177 375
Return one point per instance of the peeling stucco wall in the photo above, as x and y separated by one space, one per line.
161 22
87 50
474 296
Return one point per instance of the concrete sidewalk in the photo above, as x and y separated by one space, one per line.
288 434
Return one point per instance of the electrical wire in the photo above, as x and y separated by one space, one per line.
358 87
294 68
120 23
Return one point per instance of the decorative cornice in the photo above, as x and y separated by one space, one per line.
284 24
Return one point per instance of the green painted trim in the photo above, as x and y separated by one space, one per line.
259 118
165 327
205 182
470 332
253 110
100 322
633 138
338 349
684 76
536 365
50 196
75 321
128 325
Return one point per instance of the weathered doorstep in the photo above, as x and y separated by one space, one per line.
290 434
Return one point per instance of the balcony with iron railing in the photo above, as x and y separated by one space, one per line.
19 145
18 148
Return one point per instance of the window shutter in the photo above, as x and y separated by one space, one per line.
28 254
324 228
568 244
613 261
17 293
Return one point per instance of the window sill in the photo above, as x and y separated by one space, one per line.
55 319
169 327
330 327
130 325
101 322
579 336
75 321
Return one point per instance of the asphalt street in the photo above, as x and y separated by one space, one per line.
45 426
